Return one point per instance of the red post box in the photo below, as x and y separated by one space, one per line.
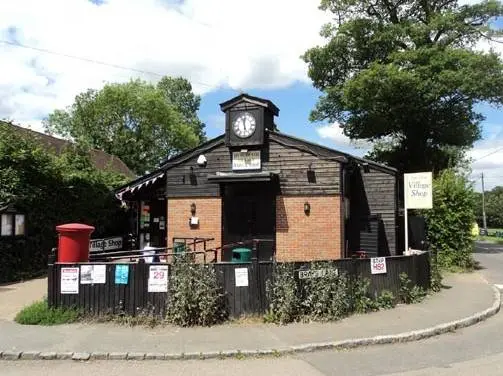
73 245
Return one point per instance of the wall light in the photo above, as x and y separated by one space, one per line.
193 209
307 208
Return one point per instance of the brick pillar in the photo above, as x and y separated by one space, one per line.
209 212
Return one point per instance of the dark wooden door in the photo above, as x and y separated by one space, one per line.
158 223
249 212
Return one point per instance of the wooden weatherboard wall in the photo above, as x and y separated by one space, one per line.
290 161
133 298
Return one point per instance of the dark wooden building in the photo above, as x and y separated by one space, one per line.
309 201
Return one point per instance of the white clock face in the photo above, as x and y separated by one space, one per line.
244 125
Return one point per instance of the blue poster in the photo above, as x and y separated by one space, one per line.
121 274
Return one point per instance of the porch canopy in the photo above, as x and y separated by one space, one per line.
233 177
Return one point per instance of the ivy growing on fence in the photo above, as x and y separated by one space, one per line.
327 296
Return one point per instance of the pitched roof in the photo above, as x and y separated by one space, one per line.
250 99
100 159
288 140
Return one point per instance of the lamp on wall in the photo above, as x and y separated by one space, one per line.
193 209
307 208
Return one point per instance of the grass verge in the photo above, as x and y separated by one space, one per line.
39 313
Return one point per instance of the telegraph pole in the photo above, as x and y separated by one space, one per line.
483 206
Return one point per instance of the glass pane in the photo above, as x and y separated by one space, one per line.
6 229
19 224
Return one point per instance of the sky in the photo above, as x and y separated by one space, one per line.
224 47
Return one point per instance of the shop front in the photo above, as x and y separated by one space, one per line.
302 201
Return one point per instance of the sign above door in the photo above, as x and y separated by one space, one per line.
246 160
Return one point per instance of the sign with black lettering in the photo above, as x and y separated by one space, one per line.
317 273
246 160
107 244
418 189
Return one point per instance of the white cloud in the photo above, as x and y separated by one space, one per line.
487 157
334 133
237 43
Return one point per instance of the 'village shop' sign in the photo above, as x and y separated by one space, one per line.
246 160
107 244
418 190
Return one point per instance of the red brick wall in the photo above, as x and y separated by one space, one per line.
301 237
209 212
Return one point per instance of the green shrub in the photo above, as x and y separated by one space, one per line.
450 221
39 313
195 297
410 293
325 297
362 302
282 293
386 300
51 190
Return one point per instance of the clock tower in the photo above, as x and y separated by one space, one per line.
246 120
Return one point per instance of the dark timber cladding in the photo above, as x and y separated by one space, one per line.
302 169
357 196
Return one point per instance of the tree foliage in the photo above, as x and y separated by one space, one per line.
404 75
140 123
51 190
451 219
494 207
178 92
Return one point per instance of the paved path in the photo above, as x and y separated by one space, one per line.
477 350
13 297
449 305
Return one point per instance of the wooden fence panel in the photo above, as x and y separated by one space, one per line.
133 297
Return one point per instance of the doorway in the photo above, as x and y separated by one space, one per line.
152 223
249 212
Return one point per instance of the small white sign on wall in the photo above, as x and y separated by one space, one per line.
378 265
241 276
246 160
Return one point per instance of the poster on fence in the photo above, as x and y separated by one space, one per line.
90 274
241 276
378 265
121 274
158 278
69 280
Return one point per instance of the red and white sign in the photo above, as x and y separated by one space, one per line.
69 280
158 278
378 265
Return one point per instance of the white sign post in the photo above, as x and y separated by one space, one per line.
418 194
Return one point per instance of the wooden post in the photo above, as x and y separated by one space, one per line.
256 275
50 277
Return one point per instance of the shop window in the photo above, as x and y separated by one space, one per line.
6 225
19 225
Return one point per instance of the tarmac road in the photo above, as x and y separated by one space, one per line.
477 350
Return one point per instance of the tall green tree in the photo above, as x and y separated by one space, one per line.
132 120
178 91
405 75
493 205
51 190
